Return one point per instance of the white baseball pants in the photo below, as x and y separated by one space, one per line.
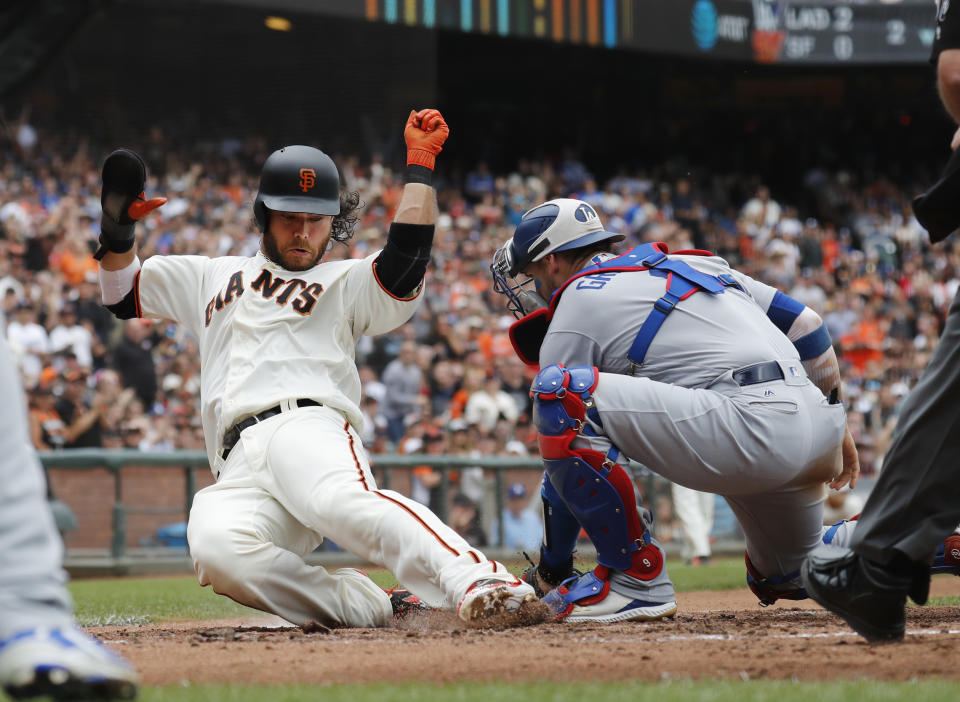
298 477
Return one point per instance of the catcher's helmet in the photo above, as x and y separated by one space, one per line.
557 225
297 179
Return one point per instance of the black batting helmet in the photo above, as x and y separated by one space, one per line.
297 179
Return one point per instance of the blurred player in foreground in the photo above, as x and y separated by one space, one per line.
281 391
42 652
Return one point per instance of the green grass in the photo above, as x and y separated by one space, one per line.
143 600
712 691
127 601
724 574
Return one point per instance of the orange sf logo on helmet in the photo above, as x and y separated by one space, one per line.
308 178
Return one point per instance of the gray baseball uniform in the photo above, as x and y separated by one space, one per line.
32 582
767 447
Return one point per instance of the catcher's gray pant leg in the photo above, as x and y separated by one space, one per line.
32 591
914 504
766 448
780 527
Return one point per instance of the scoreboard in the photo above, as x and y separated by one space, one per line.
761 31
810 32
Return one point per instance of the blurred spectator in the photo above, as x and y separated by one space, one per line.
841 504
665 526
515 381
762 213
132 358
522 528
489 404
70 334
479 182
465 520
847 244
372 387
426 478
81 413
462 442
402 380
159 434
374 423
48 431
443 383
694 511
29 341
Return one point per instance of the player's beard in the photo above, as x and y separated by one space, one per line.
272 251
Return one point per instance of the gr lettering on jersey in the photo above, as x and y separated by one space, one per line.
595 281
270 286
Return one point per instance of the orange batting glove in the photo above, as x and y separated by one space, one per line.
425 133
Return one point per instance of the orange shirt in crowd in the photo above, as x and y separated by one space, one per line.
863 344
831 251
74 268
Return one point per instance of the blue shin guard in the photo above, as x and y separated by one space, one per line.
596 490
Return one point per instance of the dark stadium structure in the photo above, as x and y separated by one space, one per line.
214 69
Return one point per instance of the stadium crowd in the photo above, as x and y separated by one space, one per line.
448 381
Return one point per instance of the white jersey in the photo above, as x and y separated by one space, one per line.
268 334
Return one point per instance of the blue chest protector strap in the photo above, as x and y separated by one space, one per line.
683 280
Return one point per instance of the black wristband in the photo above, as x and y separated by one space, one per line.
418 174
118 238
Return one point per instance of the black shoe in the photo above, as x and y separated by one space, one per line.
869 596
405 603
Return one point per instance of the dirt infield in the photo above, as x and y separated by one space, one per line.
714 635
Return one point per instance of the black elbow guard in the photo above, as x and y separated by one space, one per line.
126 308
401 265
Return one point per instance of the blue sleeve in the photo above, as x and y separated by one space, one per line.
784 310
813 344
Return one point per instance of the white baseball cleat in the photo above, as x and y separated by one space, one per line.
587 598
63 664
491 596
618 608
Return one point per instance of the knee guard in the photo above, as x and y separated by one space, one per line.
769 590
595 488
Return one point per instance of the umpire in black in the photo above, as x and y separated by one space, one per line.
914 504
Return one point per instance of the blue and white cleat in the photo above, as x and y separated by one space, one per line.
587 598
63 664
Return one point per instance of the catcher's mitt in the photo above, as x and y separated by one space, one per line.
543 578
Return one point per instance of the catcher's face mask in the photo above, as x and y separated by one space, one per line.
522 298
